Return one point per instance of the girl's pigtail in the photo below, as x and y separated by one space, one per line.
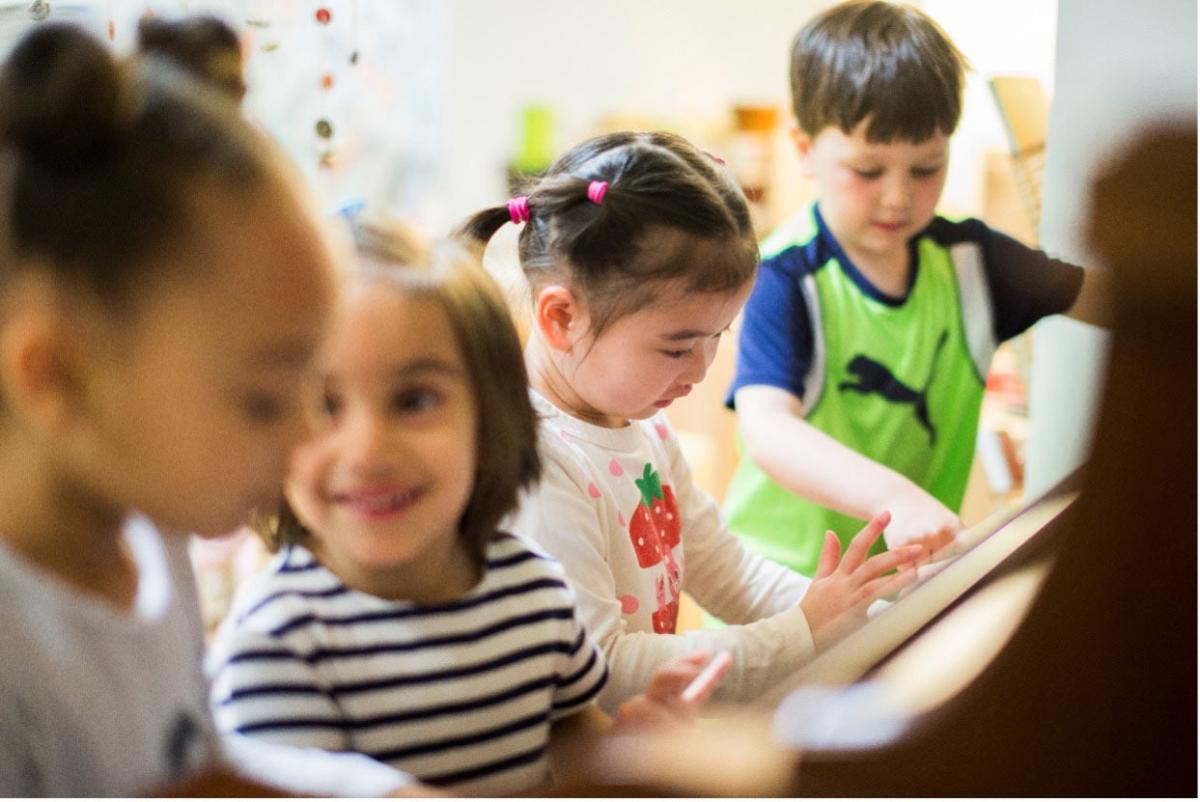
592 235
482 226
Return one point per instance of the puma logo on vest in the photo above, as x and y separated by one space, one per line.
872 377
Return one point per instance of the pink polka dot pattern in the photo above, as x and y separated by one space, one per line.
621 519
662 431
593 491
629 604
615 468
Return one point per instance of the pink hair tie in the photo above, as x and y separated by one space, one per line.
518 209
596 190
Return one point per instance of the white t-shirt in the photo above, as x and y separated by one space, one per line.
96 701
617 507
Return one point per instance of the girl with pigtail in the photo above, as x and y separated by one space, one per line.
639 253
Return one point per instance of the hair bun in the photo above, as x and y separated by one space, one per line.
60 90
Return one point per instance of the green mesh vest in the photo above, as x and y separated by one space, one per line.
901 385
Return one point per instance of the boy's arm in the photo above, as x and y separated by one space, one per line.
806 461
1027 284
1093 305
727 579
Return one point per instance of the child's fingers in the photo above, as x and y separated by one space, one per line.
882 563
886 586
670 680
639 713
829 555
702 687
937 540
698 659
856 552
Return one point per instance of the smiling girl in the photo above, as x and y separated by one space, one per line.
396 620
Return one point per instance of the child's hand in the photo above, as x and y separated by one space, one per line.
675 694
920 519
838 598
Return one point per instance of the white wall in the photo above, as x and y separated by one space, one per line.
668 58
998 37
1120 65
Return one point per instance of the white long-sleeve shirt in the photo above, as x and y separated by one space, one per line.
617 507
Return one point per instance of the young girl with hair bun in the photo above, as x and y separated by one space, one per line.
162 288
639 253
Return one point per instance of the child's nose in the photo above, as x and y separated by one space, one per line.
364 438
699 361
897 192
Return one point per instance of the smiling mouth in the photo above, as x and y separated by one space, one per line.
377 505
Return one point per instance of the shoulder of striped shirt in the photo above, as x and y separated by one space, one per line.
276 596
279 587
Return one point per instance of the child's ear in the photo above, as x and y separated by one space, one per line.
39 378
557 315
803 143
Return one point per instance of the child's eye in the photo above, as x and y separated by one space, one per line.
869 175
416 400
331 405
262 408
925 172
677 354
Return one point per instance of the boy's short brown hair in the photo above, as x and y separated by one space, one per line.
451 276
879 60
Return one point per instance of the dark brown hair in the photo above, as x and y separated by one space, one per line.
101 161
657 182
451 276
203 45
881 60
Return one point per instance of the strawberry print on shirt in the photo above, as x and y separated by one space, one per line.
602 490
654 530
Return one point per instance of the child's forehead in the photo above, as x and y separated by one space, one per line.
384 316
675 308
858 140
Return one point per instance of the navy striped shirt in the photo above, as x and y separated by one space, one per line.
460 694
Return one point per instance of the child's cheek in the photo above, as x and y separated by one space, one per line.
309 467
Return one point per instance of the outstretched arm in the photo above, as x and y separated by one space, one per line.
808 462
1093 304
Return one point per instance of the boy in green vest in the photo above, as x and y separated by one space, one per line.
865 343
